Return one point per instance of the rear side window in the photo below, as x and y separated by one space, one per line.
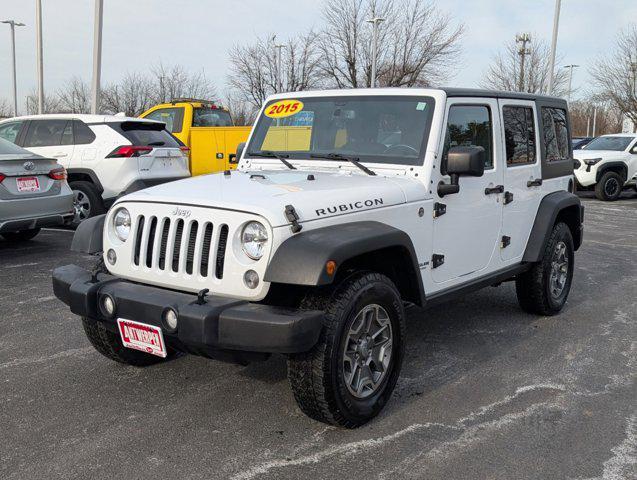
46 133
555 133
82 133
9 131
172 117
469 125
519 135
146 134
210 117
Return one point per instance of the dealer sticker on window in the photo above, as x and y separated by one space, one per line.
143 337
283 108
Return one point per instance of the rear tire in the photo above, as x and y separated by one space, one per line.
363 334
87 201
609 187
21 236
544 288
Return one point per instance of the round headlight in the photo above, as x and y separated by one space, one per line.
121 224
254 238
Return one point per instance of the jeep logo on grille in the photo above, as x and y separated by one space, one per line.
181 212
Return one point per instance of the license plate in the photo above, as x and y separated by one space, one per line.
142 337
28 184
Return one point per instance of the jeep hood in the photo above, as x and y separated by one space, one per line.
603 154
267 193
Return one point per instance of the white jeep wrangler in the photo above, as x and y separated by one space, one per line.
345 206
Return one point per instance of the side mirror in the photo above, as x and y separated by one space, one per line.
462 162
235 158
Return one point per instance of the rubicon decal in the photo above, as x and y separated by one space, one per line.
347 207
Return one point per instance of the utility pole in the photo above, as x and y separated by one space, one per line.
570 79
556 22
633 69
594 119
375 22
522 40
97 56
279 73
38 51
588 126
13 24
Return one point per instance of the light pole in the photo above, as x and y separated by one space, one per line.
374 21
523 39
38 51
279 74
633 69
13 24
556 22
97 56
594 119
570 79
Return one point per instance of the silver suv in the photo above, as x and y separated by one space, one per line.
33 193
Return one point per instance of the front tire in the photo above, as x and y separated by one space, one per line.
21 236
609 187
350 374
544 288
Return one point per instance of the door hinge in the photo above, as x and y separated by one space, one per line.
293 218
437 260
439 209
492 190
506 241
508 198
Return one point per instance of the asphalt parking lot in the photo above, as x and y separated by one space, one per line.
487 391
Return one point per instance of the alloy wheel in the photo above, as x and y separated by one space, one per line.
559 270
81 206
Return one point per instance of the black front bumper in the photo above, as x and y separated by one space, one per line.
219 328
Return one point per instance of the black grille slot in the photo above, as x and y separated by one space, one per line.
138 239
163 243
205 250
221 251
151 242
190 251
178 233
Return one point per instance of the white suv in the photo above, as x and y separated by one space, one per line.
105 156
345 205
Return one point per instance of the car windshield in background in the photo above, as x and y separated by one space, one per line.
147 134
376 129
618 144
8 148
210 117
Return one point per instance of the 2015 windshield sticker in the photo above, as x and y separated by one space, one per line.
283 108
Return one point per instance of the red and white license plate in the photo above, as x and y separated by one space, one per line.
142 337
28 184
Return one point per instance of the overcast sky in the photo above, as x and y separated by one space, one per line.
198 33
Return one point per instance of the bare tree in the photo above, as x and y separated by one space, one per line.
175 82
132 95
504 72
241 111
608 119
75 97
5 109
51 103
254 70
417 44
616 75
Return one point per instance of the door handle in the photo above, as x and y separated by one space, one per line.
496 189
534 183
61 155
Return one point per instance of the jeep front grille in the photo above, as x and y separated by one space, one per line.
183 246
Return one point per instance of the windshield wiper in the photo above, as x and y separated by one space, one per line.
270 154
338 156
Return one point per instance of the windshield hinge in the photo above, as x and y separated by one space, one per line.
439 209
293 218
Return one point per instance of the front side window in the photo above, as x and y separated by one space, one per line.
210 117
9 131
172 117
376 129
469 125
616 143
47 133
555 133
519 135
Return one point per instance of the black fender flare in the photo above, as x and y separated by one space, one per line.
612 166
302 258
550 207
88 235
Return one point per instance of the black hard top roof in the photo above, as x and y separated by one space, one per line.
475 92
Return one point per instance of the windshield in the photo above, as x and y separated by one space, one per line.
210 117
609 143
377 129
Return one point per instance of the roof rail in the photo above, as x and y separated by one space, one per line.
187 99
